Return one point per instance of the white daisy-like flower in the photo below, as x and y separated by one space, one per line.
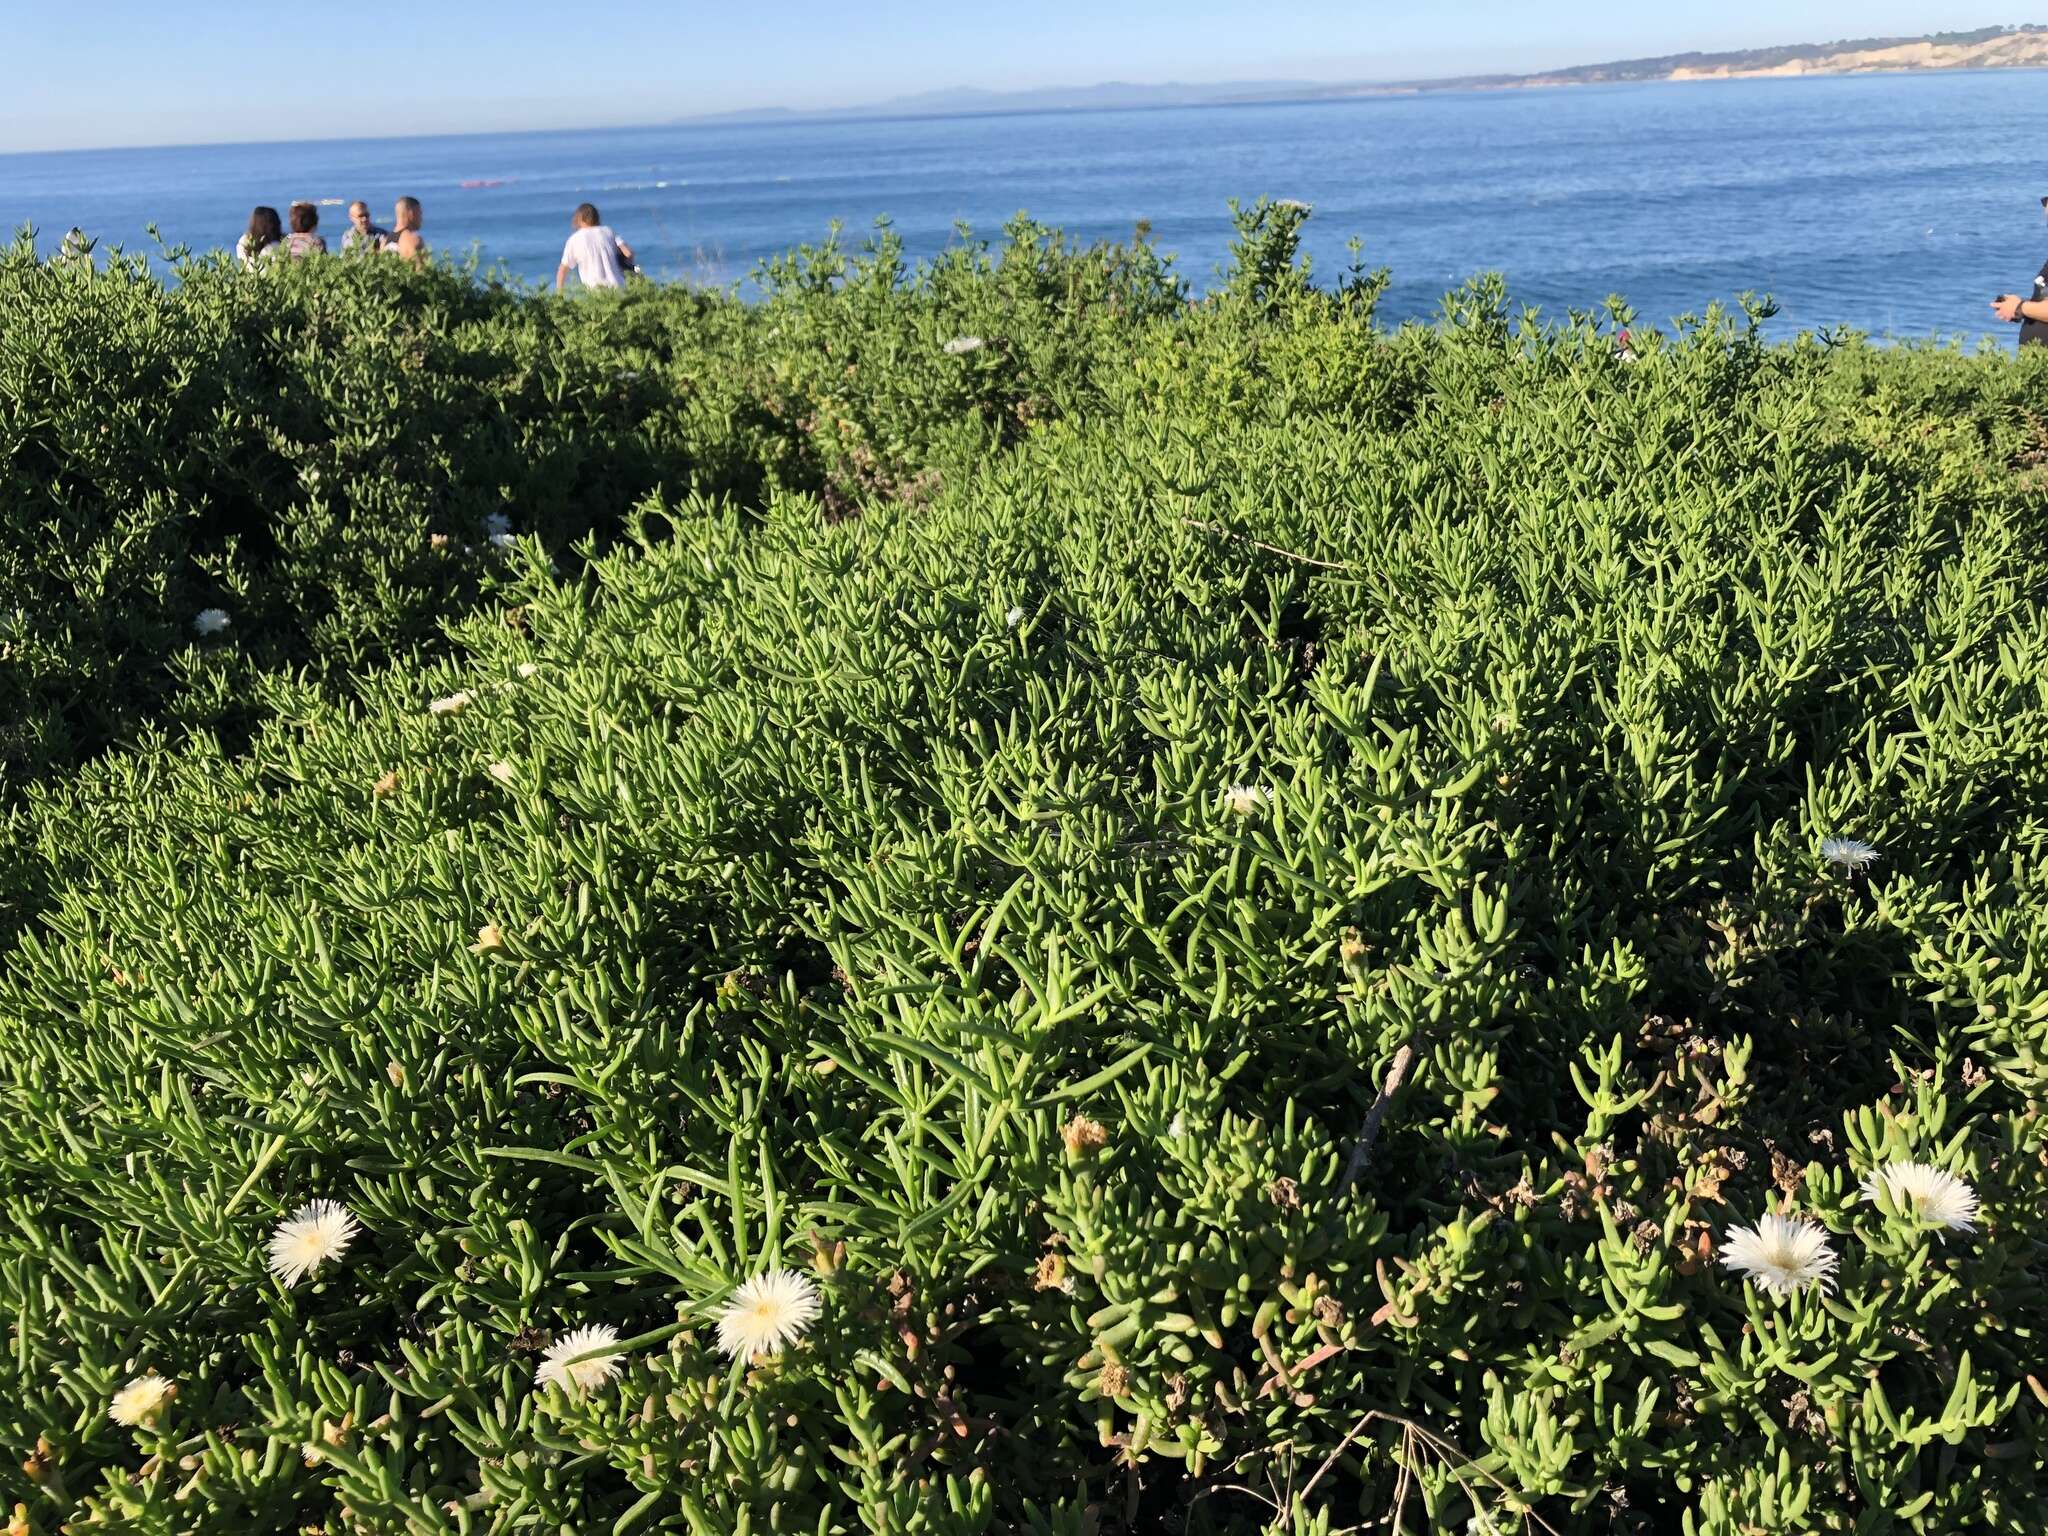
1781 1255
527 668
1246 799
141 1401
496 523
311 1236
502 771
1848 854
960 346
210 621
503 540
767 1313
454 704
1294 203
1932 1194
559 1366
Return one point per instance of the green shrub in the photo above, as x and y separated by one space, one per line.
1255 945
322 451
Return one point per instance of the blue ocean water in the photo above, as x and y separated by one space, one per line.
1894 204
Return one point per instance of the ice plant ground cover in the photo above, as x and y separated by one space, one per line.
1328 1023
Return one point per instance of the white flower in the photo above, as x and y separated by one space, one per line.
1932 1194
527 668
960 346
1294 203
1847 854
559 1367
454 704
314 1234
142 1400
502 771
1014 617
1781 1254
1246 799
503 540
768 1312
496 523
1177 1126
211 621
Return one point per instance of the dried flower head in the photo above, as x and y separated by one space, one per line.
438 540
1351 950
768 1313
1848 854
960 346
386 786
490 936
142 1401
1013 618
1083 1135
561 1366
527 668
454 704
1113 1381
1781 1255
502 771
1246 799
1051 1274
210 621
311 1236
1931 1194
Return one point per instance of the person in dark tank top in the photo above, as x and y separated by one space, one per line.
2028 311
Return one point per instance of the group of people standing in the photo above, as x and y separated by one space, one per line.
598 257
267 239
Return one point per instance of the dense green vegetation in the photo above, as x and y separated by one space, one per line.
1243 892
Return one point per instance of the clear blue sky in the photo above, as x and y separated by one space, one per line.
119 72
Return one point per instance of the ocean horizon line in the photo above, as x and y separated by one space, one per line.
1369 93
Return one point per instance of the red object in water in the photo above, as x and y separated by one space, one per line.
472 185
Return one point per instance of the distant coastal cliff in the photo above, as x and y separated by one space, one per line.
1990 48
2022 47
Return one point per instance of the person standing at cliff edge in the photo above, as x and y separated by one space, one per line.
2030 314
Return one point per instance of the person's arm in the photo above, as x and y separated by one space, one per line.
625 251
561 276
2012 309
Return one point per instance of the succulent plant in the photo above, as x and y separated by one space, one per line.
1343 1019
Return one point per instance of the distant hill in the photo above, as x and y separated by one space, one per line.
2022 47
1107 96
1989 48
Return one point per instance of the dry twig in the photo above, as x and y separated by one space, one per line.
1273 549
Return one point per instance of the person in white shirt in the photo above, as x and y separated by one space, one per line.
599 258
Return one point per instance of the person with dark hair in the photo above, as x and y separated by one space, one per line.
77 248
363 237
302 241
265 234
599 258
405 239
